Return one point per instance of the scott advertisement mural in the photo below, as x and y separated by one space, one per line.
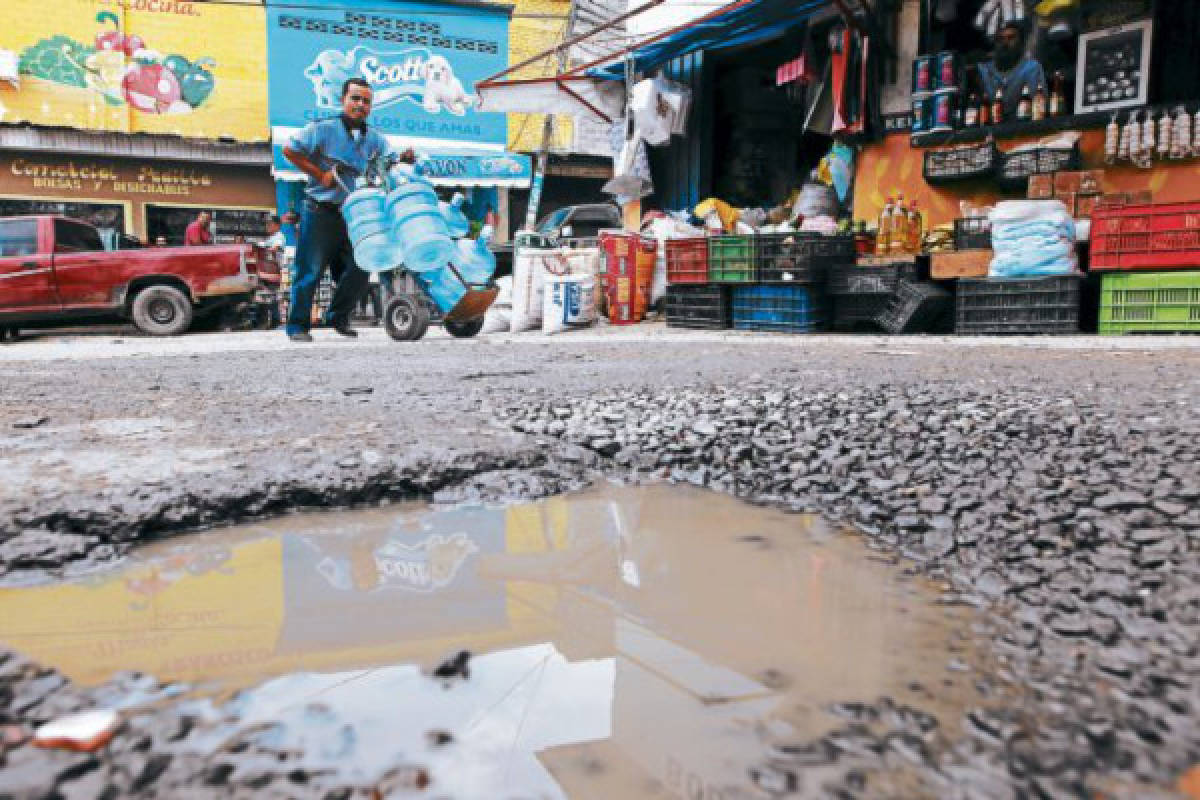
421 60
138 66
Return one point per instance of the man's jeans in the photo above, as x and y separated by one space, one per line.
323 240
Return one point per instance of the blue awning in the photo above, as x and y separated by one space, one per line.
742 25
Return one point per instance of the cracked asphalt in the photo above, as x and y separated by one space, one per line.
107 439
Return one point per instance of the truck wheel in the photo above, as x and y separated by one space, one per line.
405 318
162 311
463 330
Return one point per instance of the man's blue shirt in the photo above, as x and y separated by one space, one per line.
1027 73
329 140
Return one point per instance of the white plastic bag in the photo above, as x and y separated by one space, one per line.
527 288
569 301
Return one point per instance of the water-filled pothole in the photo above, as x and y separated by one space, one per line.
625 642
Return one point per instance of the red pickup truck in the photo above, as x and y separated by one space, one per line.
55 271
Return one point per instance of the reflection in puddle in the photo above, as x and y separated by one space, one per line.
627 642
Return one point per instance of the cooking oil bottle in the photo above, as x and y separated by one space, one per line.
884 236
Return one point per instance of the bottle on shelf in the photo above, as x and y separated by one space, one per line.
971 113
916 229
885 228
1058 98
985 110
998 106
1025 105
899 226
1038 112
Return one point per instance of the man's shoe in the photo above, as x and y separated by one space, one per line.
345 330
300 336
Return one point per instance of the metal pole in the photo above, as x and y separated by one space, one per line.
539 172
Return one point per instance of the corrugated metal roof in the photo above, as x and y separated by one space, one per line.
133 145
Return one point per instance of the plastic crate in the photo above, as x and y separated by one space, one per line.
731 259
960 163
973 233
851 311
1146 237
1016 168
1149 302
800 257
687 260
785 309
914 308
694 306
860 278
1018 305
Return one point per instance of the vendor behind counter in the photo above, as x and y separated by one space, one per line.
1010 69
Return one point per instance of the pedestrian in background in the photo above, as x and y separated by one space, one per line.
317 150
198 232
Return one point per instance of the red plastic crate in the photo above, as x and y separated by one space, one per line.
1160 236
687 260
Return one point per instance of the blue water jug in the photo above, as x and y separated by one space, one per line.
368 229
443 287
456 220
474 259
418 226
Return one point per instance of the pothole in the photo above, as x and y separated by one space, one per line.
623 642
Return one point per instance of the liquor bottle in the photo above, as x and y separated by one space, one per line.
1025 106
1039 104
985 111
971 114
998 106
899 226
1057 99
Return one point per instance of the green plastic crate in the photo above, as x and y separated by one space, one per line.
1138 302
731 259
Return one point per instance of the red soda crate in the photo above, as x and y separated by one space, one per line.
1161 236
687 260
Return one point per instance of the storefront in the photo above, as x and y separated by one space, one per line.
148 199
421 62
1089 52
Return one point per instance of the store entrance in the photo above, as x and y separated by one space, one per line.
168 224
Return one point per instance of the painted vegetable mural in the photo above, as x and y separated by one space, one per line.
122 69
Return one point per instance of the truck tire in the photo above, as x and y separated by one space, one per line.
162 311
463 330
405 318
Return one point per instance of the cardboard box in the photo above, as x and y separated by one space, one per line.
1067 183
1091 182
1041 187
962 264
1142 198
1085 205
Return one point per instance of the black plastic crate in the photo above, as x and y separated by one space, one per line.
915 308
800 257
855 311
870 278
1018 305
973 233
965 162
698 306
1016 168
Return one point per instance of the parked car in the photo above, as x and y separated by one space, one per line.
55 271
580 222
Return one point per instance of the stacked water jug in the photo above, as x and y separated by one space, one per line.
407 226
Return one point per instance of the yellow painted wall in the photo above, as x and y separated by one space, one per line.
895 166
70 78
537 25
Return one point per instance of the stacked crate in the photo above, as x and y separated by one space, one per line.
1150 257
861 291
768 282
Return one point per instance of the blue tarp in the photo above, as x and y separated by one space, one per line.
764 19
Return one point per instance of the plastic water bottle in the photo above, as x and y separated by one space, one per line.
474 259
456 220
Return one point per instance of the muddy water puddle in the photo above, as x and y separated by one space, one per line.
650 642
